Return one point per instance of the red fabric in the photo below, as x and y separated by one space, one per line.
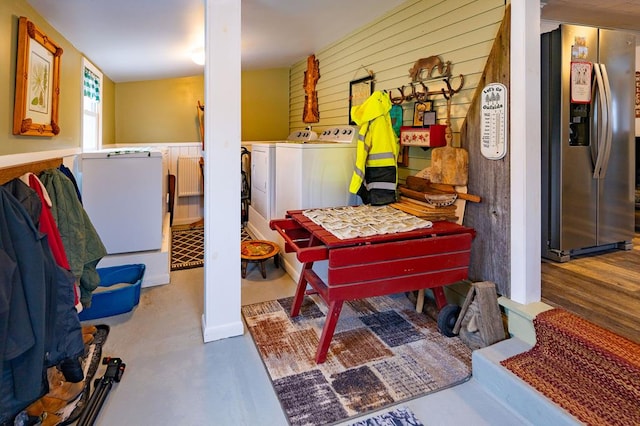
48 226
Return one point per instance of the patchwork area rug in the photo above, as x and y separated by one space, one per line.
187 247
591 372
382 353
401 416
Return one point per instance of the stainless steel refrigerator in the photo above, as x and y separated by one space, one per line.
588 150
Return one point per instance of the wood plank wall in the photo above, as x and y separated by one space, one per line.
491 250
460 31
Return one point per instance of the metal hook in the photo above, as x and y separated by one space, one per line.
399 100
410 96
421 96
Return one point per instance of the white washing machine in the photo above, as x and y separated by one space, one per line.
314 174
263 183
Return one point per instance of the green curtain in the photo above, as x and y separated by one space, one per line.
91 85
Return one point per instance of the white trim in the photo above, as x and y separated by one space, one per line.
29 157
223 331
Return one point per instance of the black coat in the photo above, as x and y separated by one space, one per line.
36 299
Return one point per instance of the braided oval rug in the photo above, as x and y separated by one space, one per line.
589 371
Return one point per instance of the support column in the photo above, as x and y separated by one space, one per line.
525 151
222 281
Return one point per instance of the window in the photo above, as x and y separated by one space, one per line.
91 106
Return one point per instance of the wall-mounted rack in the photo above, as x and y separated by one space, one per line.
420 92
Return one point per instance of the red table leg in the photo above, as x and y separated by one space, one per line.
302 285
300 290
327 331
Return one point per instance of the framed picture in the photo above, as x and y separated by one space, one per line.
37 82
418 112
359 91
429 118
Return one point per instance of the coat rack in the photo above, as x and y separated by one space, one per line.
430 69
424 93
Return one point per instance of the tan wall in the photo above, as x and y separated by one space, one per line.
70 85
265 104
460 31
160 111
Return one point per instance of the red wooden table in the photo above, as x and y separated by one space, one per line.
373 266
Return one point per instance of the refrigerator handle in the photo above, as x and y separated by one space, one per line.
608 124
603 121
595 123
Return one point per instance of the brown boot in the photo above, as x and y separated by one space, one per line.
89 329
50 419
87 339
35 409
66 391
52 405
60 388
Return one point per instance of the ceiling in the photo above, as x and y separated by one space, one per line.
622 14
132 40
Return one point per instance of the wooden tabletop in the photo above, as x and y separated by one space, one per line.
258 250
330 240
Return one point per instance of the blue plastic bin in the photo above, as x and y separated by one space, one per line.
106 303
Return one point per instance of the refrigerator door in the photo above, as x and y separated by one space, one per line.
616 195
576 189
588 190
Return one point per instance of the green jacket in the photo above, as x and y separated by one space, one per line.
82 243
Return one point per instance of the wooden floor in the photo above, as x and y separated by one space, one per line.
603 288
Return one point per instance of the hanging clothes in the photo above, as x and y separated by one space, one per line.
47 225
81 241
68 173
42 328
375 175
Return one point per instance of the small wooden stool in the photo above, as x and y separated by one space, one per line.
257 251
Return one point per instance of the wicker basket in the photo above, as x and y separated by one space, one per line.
441 200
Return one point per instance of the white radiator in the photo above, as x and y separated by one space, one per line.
189 177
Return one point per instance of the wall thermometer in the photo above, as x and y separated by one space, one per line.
494 121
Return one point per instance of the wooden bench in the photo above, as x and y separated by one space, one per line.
374 266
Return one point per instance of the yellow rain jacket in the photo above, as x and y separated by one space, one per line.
375 174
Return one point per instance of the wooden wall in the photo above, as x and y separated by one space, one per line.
490 254
460 31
